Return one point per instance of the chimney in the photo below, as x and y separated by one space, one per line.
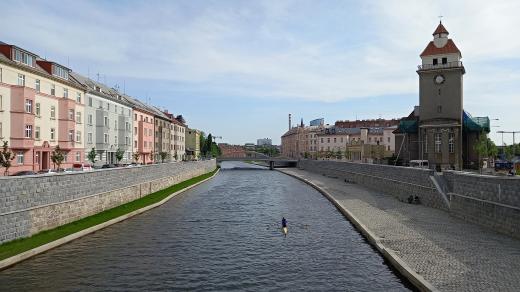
289 121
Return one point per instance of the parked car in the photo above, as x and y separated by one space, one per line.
81 167
419 163
24 172
108 166
47 171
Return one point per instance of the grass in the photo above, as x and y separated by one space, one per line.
17 246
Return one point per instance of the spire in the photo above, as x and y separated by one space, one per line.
440 29
301 124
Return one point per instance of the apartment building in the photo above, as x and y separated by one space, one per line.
40 108
192 144
108 122
143 130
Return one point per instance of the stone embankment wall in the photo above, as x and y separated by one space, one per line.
32 204
397 181
486 200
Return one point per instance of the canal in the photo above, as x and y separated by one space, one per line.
222 235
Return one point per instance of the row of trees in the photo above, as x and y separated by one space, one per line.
6 157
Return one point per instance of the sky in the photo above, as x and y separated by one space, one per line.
236 69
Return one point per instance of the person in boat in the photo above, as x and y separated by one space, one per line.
284 222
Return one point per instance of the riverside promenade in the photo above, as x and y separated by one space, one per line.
449 253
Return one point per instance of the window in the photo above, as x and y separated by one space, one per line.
28 131
22 57
78 117
71 114
28 106
37 133
334 140
135 130
89 137
135 117
53 89
135 143
38 109
1 103
37 85
65 157
435 61
60 72
108 106
105 136
53 131
0 74
19 157
78 97
115 108
105 121
439 109
90 119
53 112
65 92
388 139
127 126
21 79
90 101
426 143
328 140
438 141
78 156
37 157
71 135
451 142
115 140
369 139
115 125
100 104
78 136
1 134
444 60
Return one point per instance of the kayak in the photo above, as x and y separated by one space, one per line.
284 230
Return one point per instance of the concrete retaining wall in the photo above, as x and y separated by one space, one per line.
32 204
486 200
400 182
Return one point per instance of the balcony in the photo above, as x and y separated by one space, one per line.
457 64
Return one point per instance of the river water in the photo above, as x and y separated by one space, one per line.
223 235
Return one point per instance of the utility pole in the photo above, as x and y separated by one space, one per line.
508 132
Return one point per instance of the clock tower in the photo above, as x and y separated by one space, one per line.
440 102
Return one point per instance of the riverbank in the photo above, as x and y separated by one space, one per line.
21 249
428 246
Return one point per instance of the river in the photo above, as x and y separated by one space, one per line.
222 235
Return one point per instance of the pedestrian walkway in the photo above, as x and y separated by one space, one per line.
451 254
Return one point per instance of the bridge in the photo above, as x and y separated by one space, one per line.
257 156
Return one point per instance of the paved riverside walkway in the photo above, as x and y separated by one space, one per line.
451 254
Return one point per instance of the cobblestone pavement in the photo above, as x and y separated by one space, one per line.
451 254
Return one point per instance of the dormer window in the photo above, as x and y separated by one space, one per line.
23 57
60 72
444 60
98 89
435 61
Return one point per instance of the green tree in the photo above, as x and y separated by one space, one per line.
202 142
163 155
120 153
485 148
6 156
57 157
136 156
91 156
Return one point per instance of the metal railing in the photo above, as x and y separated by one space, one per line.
440 66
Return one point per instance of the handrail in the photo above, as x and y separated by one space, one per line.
440 66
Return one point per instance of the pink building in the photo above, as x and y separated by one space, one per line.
143 133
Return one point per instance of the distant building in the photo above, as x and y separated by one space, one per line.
301 141
235 151
250 146
439 130
193 144
264 142
317 122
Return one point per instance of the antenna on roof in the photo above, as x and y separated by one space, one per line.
88 72
105 78
124 87
68 62
440 18
97 76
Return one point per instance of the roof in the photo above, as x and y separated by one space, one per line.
440 29
105 91
449 48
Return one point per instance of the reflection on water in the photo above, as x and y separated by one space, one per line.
222 235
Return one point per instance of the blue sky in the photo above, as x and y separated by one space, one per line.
238 68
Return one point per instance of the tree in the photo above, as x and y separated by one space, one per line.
57 156
202 142
485 148
120 153
91 156
136 156
6 156
163 155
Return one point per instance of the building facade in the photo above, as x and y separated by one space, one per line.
264 142
192 144
143 131
108 123
439 130
40 108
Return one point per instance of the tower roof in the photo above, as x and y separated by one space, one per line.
440 29
449 48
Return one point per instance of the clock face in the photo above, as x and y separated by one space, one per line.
439 79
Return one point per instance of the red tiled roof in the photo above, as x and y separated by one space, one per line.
449 48
440 29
